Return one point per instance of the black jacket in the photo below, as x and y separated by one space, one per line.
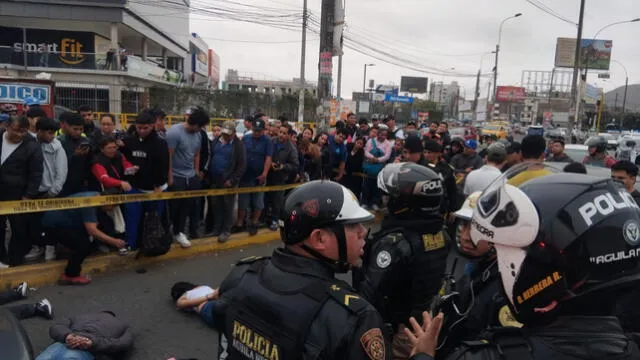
287 156
344 327
238 165
21 173
205 146
79 166
403 267
568 338
151 154
564 158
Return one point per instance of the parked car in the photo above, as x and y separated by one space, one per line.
576 152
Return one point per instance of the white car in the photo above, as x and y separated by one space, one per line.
576 152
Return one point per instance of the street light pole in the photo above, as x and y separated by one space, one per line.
626 86
364 80
495 69
476 94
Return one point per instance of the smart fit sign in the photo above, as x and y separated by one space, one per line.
48 48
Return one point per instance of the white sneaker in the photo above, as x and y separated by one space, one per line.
34 254
49 253
22 290
182 240
3 265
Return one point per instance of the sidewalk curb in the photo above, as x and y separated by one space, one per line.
41 274
48 273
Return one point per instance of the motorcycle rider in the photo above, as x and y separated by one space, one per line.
404 262
291 306
562 273
598 153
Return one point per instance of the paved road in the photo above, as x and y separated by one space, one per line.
143 300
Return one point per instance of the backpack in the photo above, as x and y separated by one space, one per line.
156 238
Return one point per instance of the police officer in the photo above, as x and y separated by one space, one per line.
479 302
567 246
291 306
598 153
404 263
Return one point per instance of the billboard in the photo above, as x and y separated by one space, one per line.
510 94
48 48
214 68
417 85
596 54
15 92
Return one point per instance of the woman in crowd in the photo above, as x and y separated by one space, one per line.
110 167
355 160
311 160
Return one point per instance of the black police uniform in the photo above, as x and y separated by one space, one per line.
451 200
403 267
288 305
483 302
568 338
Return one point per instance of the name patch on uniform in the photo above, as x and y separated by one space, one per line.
253 345
433 241
538 287
373 344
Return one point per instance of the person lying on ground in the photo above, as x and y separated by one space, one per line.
200 299
42 308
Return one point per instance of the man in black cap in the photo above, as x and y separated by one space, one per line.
412 151
513 156
259 150
394 132
433 154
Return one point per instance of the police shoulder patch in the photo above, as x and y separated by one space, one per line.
251 259
506 318
345 296
373 344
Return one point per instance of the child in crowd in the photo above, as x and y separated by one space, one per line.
197 298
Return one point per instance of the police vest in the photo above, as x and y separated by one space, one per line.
263 324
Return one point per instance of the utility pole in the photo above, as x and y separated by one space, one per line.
575 100
325 64
615 103
476 94
339 88
303 56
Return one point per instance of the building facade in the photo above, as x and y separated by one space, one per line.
255 83
102 53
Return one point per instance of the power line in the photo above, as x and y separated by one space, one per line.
550 11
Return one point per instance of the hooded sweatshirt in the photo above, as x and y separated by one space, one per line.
55 167
151 154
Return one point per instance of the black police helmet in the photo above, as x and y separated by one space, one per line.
321 205
411 187
599 142
559 237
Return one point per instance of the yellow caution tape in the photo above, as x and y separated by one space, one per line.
40 205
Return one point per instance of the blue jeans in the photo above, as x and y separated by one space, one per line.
58 351
209 311
133 213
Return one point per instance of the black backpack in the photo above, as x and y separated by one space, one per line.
156 238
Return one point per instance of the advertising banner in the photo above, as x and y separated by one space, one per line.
48 48
511 94
214 68
200 62
417 85
596 54
15 92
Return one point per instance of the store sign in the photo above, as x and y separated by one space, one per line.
48 48
16 92
200 63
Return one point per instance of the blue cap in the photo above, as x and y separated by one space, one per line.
30 101
4 117
471 143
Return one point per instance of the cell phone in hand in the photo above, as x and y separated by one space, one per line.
131 171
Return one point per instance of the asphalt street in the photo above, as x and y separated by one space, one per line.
143 301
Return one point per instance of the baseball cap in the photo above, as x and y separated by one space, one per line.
472 144
413 144
514 147
432 146
228 127
258 124
466 211
497 149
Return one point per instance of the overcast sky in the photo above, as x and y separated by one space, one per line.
431 30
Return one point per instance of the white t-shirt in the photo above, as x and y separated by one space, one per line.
199 292
480 179
7 149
